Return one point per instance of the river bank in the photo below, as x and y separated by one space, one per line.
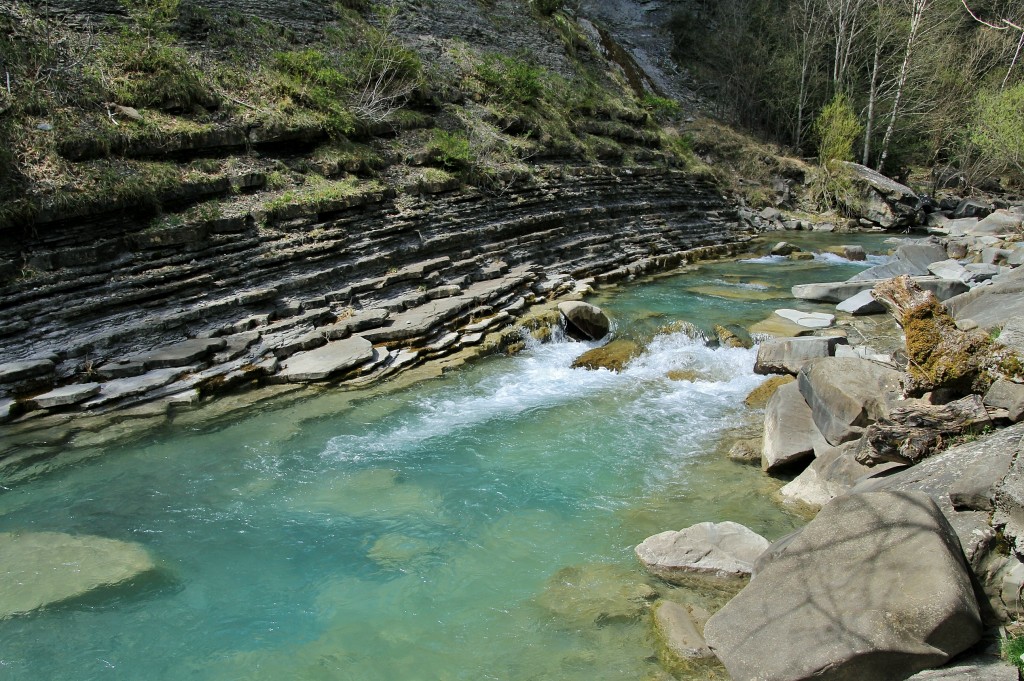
860 434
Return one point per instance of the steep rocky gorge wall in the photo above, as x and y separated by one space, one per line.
104 292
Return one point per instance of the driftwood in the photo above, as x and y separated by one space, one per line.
915 432
941 356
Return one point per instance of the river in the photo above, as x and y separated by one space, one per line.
476 526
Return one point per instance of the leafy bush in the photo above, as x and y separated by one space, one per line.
660 107
836 129
998 129
315 80
452 150
513 80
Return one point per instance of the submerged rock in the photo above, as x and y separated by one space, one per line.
680 641
875 587
760 395
596 593
38 569
715 554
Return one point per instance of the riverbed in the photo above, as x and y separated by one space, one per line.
476 526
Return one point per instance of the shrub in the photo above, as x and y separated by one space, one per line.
513 80
836 129
998 129
660 107
452 150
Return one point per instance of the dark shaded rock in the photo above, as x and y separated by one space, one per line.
584 321
12 372
895 556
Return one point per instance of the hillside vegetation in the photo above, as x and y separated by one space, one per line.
174 112
908 83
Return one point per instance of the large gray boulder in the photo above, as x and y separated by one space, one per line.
789 430
846 394
880 199
716 554
789 355
998 223
584 321
875 587
965 481
38 569
991 306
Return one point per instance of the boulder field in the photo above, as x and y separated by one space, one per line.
912 462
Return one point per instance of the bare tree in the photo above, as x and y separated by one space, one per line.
846 20
807 20
1002 24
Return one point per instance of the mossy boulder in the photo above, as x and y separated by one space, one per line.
614 356
759 396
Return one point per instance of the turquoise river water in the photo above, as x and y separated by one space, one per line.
476 526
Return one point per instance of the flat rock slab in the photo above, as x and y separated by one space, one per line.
65 395
42 568
121 388
999 222
12 372
875 587
789 355
838 291
808 320
180 354
714 553
974 668
327 361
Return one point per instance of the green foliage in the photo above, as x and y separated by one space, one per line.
451 150
154 17
660 107
315 80
998 129
152 73
836 129
1013 649
511 79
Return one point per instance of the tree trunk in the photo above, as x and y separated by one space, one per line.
918 8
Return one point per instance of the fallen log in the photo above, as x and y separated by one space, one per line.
917 431
941 356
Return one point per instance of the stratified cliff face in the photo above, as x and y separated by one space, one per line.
250 199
